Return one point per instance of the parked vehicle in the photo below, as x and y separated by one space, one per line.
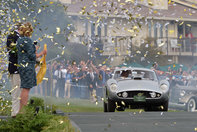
136 88
184 97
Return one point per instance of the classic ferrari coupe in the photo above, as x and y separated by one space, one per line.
135 88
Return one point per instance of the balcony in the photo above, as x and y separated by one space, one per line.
177 46
107 45
121 45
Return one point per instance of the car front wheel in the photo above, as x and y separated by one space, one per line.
191 105
111 106
105 106
164 106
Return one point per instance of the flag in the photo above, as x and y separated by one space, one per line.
41 73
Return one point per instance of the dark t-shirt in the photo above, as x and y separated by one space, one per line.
80 74
11 47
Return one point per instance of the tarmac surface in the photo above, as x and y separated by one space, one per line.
135 122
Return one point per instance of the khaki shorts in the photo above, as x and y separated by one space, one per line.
15 93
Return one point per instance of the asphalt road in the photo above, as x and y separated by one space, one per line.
135 122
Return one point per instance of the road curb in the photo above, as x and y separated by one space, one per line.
59 112
75 125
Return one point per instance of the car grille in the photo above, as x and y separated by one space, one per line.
131 94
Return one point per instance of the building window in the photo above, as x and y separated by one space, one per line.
188 30
149 28
86 27
161 30
92 29
180 30
99 33
155 30
99 30
166 29
105 28
155 33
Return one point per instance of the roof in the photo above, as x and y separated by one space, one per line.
122 9
189 3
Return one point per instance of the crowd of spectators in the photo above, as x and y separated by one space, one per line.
86 80
72 80
177 77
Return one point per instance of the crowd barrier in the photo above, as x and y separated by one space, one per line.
76 91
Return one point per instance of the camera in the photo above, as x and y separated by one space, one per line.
35 42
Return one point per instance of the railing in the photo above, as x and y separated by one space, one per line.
178 46
108 45
121 45
75 90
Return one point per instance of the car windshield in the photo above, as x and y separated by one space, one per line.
192 83
135 74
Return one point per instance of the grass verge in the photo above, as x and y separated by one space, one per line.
32 121
81 105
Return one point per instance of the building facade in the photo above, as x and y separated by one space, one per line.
114 27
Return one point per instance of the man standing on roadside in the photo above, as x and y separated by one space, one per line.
13 71
91 78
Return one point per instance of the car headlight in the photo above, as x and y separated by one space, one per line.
182 93
124 94
113 87
152 94
164 88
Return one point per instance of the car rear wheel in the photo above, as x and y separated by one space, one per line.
111 106
191 105
105 106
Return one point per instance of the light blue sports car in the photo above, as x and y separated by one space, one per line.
136 88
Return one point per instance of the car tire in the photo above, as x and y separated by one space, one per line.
191 105
111 106
151 108
105 106
164 106
120 109
148 108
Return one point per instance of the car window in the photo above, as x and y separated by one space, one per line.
134 74
192 83
149 75
122 74
117 74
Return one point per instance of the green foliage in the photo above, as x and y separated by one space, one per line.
59 123
5 101
5 107
36 102
46 16
30 121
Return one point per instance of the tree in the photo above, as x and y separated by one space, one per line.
147 54
49 19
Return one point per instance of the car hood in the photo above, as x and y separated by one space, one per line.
133 85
